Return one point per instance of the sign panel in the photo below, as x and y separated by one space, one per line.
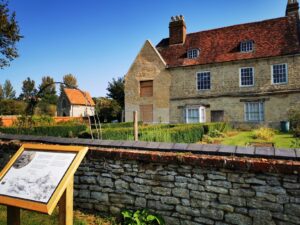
37 175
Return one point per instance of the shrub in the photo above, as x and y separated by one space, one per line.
264 133
294 117
295 143
29 121
141 217
56 131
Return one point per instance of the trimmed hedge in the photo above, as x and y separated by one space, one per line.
177 133
56 131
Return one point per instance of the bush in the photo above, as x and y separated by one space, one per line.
264 133
56 131
294 117
30 121
141 217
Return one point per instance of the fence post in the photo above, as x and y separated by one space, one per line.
135 126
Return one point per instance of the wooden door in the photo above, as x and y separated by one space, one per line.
146 113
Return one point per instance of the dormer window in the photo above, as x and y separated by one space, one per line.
193 53
247 46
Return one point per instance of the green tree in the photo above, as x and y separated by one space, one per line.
12 107
9 35
28 89
8 90
47 90
70 81
107 109
116 90
1 92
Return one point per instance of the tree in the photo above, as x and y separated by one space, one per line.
8 90
116 90
107 109
1 92
47 90
28 89
12 107
70 81
9 35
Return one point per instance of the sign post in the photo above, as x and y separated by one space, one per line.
38 178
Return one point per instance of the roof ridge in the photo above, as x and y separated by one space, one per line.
241 24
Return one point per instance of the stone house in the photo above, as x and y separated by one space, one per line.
242 73
75 103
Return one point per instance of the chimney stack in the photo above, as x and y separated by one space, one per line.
177 30
292 8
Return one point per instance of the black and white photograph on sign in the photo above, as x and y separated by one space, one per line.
35 175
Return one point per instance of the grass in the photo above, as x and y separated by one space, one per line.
280 140
33 218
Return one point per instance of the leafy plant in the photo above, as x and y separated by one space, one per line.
295 143
141 217
264 133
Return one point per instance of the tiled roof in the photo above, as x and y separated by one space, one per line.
77 97
275 37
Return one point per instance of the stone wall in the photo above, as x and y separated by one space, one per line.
188 194
246 186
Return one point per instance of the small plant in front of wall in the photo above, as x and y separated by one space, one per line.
141 217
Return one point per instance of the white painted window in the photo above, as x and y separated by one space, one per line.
195 114
193 53
203 80
247 77
254 111
247 46
279 74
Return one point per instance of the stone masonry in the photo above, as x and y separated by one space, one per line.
188 195
208 186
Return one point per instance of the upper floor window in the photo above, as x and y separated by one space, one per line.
203 80
146 88
193 53
279 74
246 77
247 46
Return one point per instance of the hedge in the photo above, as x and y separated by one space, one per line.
56 130
179 133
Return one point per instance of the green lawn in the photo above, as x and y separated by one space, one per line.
32 218
244 138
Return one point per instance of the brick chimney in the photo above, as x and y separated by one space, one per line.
292 8
177 30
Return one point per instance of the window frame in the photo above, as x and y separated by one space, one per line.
190 51
140 89
245 42
210 84
253 76
261 112
286 71
201 117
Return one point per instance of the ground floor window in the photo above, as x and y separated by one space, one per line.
195 115
217 116
254 111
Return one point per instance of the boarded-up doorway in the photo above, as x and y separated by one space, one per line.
217 116
146 112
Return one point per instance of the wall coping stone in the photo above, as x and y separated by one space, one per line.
218 150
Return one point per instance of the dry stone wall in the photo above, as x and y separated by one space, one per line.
214 185
188 195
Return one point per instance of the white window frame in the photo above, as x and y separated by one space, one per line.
202 117
253 74
193 53
286 71
246 49
197 81
261 111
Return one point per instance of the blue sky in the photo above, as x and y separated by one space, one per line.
97 40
